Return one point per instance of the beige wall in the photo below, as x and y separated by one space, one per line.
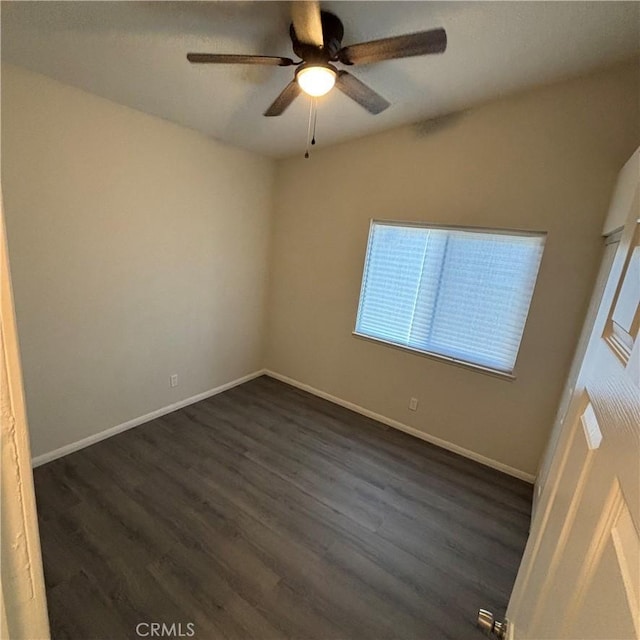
137 250
546 159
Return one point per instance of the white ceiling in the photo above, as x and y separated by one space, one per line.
134 53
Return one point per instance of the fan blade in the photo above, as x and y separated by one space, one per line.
288 95
307 23
411 44
361 93
218 58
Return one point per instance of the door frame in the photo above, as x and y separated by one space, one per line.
23 602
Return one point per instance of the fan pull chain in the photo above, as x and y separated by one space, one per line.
311 103
311 128
315 119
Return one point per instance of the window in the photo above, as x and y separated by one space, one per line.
462 294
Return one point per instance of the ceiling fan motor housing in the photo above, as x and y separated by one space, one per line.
332 32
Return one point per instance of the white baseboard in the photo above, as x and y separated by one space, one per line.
130 424
489 462
112 431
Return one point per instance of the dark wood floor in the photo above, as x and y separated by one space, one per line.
265 512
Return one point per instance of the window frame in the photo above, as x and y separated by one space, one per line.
432 354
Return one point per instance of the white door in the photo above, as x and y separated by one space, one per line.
580 574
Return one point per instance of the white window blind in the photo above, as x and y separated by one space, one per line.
462 294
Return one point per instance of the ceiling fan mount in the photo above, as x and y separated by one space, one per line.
316 38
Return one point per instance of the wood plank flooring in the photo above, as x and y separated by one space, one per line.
265 512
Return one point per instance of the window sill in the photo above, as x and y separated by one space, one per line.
436 356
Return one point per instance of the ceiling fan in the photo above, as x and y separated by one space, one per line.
316 37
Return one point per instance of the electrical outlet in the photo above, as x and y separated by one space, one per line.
173 380
413 404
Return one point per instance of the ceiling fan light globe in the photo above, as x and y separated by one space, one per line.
316 80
